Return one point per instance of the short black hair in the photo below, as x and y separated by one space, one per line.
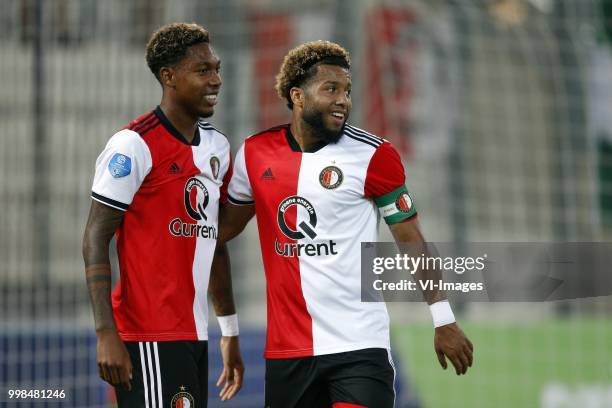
301 63
169 44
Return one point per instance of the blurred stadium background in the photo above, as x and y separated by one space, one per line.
501 108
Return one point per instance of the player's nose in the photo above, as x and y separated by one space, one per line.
216 80
343 99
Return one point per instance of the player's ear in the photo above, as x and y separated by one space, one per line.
167 76
297 96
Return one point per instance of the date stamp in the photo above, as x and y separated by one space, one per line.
21 394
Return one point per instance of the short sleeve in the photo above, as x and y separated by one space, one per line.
120 169
226 179
240 191
385 184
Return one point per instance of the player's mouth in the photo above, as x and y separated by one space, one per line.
211 98
338 118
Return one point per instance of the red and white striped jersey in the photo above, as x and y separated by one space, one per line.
170 191
313 211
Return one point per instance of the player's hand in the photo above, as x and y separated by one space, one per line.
233 368
450 341
114 364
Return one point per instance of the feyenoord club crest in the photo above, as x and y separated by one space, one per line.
214 165
182 399
331 177
403 202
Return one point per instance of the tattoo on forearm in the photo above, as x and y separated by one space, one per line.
102 223
101 226
98 278
99 286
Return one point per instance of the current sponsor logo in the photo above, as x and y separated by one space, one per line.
303 230
196 200
290 250
178 228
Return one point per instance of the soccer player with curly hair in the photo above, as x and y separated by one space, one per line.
318 187
158 184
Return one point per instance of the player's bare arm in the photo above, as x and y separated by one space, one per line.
114 363
232 220
220 285
449 340
221 294
408 232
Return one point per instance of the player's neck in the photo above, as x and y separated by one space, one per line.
304 134
181 120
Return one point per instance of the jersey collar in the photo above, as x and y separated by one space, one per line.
174 131
293 144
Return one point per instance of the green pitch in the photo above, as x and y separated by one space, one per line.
513 363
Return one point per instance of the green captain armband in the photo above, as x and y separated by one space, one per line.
396 206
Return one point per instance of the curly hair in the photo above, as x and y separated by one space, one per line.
300 65
169 44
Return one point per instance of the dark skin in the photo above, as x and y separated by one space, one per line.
220 292
186 85
449 340
329 93
114 365
189 90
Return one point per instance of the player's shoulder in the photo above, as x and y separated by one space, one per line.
144 123
213 140
276 131
134 132
361 137
127 139
209 131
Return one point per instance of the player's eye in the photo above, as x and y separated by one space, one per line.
208 71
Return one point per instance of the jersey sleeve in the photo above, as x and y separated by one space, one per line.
240 191
120 169
385 184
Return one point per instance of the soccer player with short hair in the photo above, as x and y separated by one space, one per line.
317 186
157 187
